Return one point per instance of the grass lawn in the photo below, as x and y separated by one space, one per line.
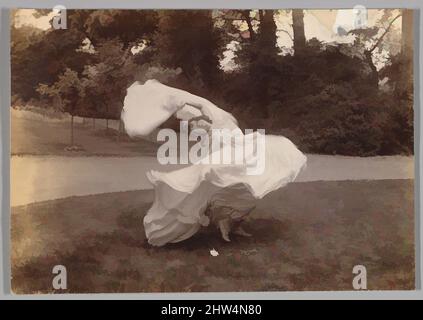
38 137
307 236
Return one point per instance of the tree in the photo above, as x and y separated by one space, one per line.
65 93
321 93
39 56
258 58
24 79
104 82
129 26
189 40
267 32
368 40
298 30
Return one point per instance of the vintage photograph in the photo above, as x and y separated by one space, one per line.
211 150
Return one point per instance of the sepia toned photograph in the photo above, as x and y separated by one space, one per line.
211 150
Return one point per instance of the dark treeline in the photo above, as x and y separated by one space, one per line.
326 97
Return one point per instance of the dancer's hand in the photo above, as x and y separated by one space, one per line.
202 117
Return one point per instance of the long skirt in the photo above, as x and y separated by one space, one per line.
192 197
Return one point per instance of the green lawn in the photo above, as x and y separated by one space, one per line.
38 137
307 236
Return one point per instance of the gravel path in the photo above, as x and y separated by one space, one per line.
40 178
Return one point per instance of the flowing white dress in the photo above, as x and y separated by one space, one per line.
183 196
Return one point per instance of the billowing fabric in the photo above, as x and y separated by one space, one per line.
182 196
147 106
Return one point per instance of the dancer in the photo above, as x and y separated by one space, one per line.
204 193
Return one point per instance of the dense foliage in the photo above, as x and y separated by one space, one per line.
327 97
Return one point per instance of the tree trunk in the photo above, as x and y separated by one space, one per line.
298 30
119 130
268 32
246 14
107 119
71 131
266 55
374 76
261 15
